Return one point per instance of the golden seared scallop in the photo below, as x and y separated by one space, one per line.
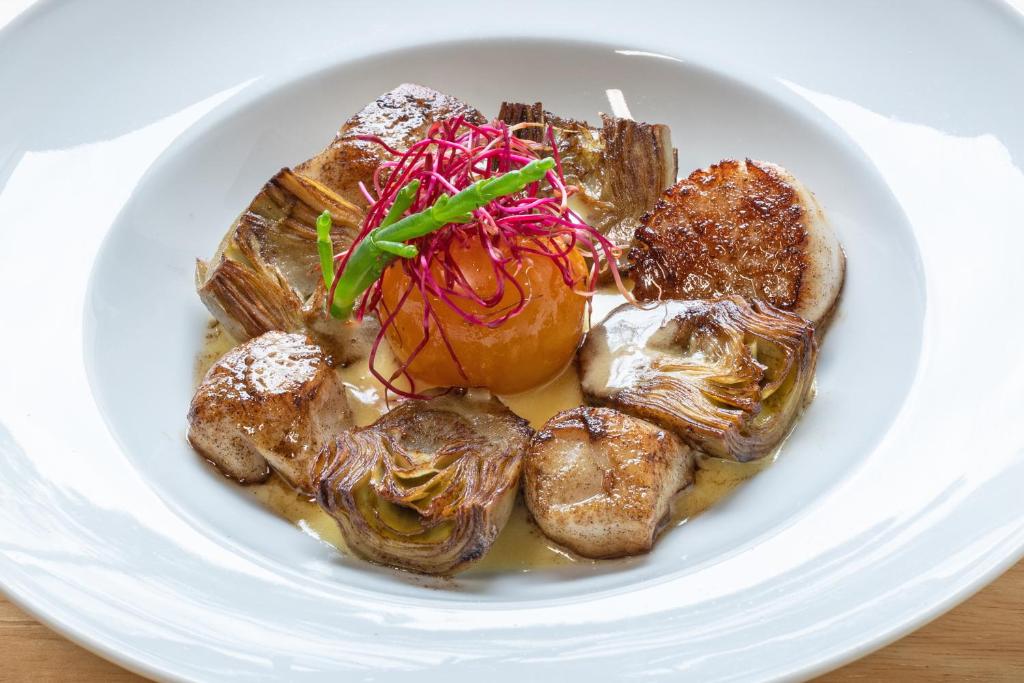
601 482
740 227
398 118
268 403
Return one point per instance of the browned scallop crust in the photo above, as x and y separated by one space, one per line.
398 117
429 485
738 227
268 403
601 482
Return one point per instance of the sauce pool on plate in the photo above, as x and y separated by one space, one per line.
521 546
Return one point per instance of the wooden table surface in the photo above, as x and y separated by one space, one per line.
981 640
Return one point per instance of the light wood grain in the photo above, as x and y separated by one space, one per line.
981 640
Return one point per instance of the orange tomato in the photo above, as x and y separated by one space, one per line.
524 351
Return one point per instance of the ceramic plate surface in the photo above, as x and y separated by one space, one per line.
125 153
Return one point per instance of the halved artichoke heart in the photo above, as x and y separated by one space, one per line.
621 168
265 274
729 376
429 485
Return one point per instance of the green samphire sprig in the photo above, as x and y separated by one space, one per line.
387 241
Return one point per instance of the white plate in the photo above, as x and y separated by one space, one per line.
138 132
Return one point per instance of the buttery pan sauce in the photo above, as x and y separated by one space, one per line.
521 546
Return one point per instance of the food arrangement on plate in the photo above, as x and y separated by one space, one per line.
417 346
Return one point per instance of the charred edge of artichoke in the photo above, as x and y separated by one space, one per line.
514 113
318 198
640 163
248 301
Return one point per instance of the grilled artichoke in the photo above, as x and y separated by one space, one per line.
429 485
728 376
622 168
265 275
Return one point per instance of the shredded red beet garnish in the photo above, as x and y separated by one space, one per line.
538 221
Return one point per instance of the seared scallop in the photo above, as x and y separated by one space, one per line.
429 485
398 118
601 482
729 377
268 403
740 227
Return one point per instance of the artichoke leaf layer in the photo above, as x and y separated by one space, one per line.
728 376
